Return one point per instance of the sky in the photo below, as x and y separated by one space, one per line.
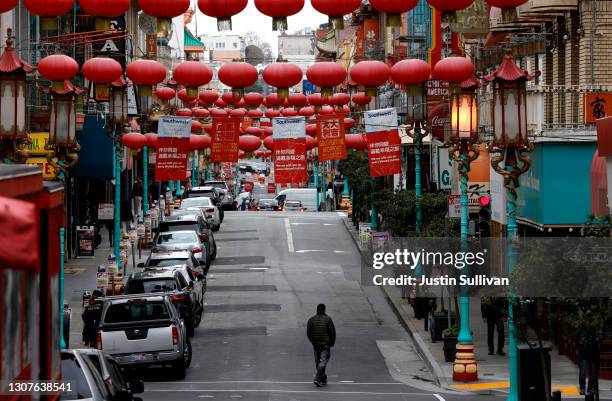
252 20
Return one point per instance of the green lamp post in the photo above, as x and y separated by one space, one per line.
463 148
510 145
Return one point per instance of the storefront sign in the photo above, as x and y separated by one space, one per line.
172 148
225 133
437 90
454 206
85 240
289 135
384 143
49 172
106 211
596 106
38 141
330 134
439 121
443 167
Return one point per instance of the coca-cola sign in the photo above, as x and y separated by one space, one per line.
439 120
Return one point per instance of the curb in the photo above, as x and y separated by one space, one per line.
419 343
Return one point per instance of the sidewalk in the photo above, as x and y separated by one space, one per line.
493 371
80 276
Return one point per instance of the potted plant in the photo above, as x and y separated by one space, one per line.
450 343
438 322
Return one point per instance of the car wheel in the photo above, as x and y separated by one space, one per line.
179 368
213 255
190 327
187 354
198 318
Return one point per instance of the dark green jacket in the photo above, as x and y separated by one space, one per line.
321 331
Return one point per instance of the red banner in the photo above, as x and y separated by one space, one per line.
330 134
384 153
171 159
224 135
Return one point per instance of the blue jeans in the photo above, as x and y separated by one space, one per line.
322 355
586 362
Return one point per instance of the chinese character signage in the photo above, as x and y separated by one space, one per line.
224 135
596 106
289 135
383 142
172 148
330 134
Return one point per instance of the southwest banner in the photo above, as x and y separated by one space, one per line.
330 135
172 148
224 135
383 142
289 136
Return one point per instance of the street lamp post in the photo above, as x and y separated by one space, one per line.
463 140
510 145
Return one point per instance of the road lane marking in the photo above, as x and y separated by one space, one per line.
181 383
439 397
289 236
282 391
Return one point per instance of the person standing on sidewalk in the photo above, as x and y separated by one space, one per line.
494 313
91 319
322 335
138 192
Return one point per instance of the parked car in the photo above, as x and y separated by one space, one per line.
213 214
207 192
202 246
184 294
267 204
293 206
195 223
173 258
94 375
227 201
143 330
188 273
308 197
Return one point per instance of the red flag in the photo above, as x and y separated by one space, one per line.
330 134
225 133
289 136
384 153
171 159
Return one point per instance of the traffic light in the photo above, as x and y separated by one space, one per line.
484 216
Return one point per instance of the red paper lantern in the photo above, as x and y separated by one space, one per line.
394 9
271 113
326 110
311 129
508 7
336 10
289 112
249 143
297 100
349 123
340 99
228 98
199 142
360 98
317 100
307 111
355 141
208 128
192 74
326 75
370 74
105 8
454 69
255 114
267 131
151 140
256 131
410 72
58 68
200 113
196 127
49 8
220 104
282 75
145 74
102 70
164 93
448 8
218 112
8 5
238 75
345 109
268 143
134 140
184 112
184 96
240 104
253 99
272 100
311 142
222 10
164 9
209 97
238 112
279 10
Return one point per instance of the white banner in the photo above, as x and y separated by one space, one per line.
444 168
174 127
381 120
498 197
289 128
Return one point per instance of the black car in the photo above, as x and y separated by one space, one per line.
187 299
268 204
199 225
207 192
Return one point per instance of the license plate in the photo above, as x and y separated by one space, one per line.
139 357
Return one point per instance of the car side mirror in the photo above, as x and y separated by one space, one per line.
141 265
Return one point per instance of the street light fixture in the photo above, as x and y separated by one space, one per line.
511 144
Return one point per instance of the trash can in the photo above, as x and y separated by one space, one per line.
531 383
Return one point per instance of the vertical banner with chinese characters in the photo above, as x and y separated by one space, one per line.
383 142
289 135
224 135
330 135
172 148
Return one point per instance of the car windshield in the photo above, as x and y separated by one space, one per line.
176 238
196 202
220 185
146 286
268 202
178 226
136 310
293 203
72 372
201 194
169 262
184 212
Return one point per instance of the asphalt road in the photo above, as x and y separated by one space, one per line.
273 268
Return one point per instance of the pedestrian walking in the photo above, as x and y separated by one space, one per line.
92 314
494 313
588 358
138 192
322 335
